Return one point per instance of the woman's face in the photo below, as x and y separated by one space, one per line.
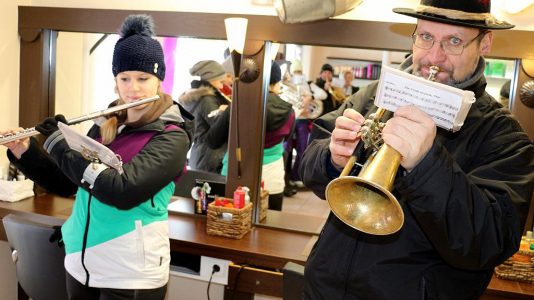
135 85
218 84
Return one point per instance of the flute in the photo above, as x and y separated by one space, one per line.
32 131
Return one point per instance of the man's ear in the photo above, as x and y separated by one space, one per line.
485 43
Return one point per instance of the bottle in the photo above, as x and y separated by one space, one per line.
526 240
247 195
239 198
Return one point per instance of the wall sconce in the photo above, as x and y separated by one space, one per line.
236 32
236 29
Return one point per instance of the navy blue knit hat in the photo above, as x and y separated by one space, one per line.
137 50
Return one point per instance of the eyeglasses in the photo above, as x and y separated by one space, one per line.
452 46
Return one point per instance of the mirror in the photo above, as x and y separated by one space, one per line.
301 210
85 84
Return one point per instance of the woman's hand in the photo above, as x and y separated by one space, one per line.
17 147
345 137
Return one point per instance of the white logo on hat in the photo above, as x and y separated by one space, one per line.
156 68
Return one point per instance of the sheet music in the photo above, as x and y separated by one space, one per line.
90 148
446 105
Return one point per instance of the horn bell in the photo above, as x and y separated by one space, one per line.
365 202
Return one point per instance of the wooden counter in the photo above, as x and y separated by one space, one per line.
265 250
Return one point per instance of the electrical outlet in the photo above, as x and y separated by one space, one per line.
206 268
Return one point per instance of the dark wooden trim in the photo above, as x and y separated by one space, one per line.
247 121
34 101
254 281
332 32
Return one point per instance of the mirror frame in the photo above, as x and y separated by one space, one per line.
39 26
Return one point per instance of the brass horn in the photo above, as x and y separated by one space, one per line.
365 202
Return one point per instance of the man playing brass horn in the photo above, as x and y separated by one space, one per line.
464 195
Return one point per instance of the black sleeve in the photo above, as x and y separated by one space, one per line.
38 166
472 214
158 163
217 135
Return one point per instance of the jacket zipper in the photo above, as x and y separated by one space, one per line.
152 201
85 234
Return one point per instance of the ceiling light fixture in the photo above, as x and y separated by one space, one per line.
299 11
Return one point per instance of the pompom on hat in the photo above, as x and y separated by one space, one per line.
467 13
137 50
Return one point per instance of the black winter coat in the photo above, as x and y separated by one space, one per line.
464 207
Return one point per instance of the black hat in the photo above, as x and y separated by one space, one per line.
327 67
137 50
467 13
276 73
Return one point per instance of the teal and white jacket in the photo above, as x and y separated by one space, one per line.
117 234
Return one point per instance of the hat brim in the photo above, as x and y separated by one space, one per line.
441 19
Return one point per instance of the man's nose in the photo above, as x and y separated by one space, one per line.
436 53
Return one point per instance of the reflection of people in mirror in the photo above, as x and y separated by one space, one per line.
464 195
504 94
279 123
229 81
324 81
348 88
206 102
115 215
308 92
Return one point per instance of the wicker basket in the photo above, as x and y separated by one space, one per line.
229 222
519 267
264 204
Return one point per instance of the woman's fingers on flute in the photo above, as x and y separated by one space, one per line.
17 147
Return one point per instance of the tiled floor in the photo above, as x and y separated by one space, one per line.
305 202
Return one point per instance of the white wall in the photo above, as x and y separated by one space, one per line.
9 76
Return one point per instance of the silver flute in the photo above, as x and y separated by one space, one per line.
31 131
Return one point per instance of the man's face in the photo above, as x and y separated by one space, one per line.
327 75
348 77
453 68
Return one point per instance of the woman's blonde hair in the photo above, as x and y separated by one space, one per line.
108 129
